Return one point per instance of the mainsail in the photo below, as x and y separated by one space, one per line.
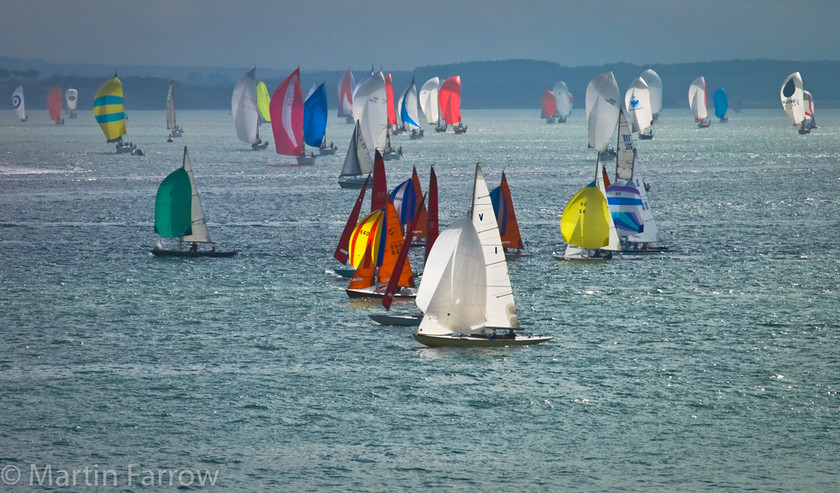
109 110
18 103
171 124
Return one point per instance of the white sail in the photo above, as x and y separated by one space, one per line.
357 162
170 107
408 112
452 292
637 104
697 99
199 226
808 101
792 98
654 83
18 103
602 108
500 307
345 94
627 168
71 98
563 98
244 107
614 242
625 151
370 109
429 93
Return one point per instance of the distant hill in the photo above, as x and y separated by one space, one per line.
487 84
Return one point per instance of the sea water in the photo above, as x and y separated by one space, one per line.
715 366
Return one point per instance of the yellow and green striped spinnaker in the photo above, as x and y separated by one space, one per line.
108 109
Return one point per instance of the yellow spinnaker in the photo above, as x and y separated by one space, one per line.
585 222
367 232
108 109
263 101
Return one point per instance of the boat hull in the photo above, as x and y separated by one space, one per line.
157 252
397 320
473 341
378 293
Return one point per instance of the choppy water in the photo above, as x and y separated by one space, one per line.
714 367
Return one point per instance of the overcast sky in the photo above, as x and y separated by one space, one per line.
401 35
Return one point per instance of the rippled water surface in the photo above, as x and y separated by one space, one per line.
713 367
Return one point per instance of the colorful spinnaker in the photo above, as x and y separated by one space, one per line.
109 110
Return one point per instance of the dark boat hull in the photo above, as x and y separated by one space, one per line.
188 254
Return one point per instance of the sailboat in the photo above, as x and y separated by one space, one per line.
808 101
263 103
721 104
179 215
171 124
375 244
19 104
549 106
287 119
55 102
345 96
506 219
465 294
110 114
370 109
793 101
637 104
357 163
71 97
586 223
697 102
243 105
315 120
654 83
564 101
627 199
409 112
450 103
429 102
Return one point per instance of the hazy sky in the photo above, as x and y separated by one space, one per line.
401 35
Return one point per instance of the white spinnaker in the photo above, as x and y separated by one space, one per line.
792 98
429 94
563 98
602 107
637 104
655 85
697 99
370 108
244 107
